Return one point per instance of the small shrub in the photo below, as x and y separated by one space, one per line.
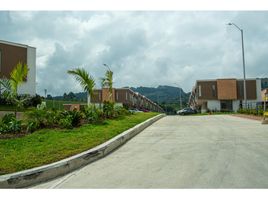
74 116
31 126
93 114
39 116
3 128
8 118
33 101
121 111
9 124
15 126
108 109
43 118
66 122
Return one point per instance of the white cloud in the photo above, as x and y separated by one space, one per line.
143 48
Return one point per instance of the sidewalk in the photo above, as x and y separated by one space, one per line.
254 117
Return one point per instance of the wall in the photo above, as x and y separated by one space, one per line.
29 87
252 89
207 90
258 88
236 105
227 89
11 55
214 105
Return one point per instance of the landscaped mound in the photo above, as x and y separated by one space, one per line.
52 144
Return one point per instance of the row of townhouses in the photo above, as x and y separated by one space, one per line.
226 94
125 97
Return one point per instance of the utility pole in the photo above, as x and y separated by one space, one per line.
243 58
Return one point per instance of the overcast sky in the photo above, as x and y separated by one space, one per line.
142 48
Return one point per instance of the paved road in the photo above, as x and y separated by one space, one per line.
182 152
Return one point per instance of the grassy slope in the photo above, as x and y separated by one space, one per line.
50 145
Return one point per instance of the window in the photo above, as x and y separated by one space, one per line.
199 91
213 90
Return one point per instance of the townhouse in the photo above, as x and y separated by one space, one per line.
13 53
224 94
125 97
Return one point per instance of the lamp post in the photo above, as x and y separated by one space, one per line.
243 57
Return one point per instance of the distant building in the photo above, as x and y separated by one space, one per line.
10 55
125 97
224 94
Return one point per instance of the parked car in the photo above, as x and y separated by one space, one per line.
135 111
186 111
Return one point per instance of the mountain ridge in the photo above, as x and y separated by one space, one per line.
162 94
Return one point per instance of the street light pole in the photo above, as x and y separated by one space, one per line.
243 57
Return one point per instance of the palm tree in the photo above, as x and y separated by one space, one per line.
18 76
109 78
108 81
10 86
86 81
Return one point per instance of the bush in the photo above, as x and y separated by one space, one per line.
39 117
93 114
31 126
43 118
121 111
33 101
66 122
69 118
108 109
9 124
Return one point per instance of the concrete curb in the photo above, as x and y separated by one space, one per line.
44 173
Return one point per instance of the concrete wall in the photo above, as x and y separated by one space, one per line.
236 105
29 87
258 89
214 105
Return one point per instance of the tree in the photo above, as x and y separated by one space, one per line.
49 97
71 96
108 81
10 86
86 81
65 96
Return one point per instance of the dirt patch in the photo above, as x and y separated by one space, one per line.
254 117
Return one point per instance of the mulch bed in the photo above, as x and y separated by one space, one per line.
254 117
12 135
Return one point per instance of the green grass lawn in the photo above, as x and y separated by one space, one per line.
50 145
58 104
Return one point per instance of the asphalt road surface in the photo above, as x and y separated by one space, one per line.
218 151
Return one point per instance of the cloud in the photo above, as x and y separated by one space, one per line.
142 48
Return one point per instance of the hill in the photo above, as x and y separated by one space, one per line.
163 94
